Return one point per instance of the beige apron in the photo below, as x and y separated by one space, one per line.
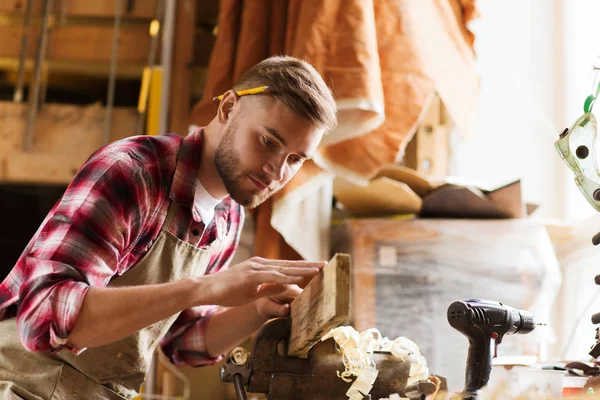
113 371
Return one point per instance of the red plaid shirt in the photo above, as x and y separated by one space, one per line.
107 219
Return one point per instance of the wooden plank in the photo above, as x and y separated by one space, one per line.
324 304
428 150
18 6
364 280
84 8
181 73
65 136
106 8
85 43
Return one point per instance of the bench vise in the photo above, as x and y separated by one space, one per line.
270 371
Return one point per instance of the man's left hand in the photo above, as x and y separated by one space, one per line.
277 305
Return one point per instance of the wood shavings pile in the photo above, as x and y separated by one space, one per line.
239 356
357 350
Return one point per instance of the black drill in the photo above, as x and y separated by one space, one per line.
484 323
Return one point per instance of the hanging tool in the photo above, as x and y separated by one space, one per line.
485 323
18 95
34 95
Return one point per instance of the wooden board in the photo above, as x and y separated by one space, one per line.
106 8
84 43
323 305
84 8
428 151
65 136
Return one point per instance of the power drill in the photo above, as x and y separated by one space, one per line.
485 323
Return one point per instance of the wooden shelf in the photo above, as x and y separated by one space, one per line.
145 9
65 136
93 69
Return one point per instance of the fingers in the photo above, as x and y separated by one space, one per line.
270 289
276 310
291 263
292 271
283 310
287 296
273 276
290 293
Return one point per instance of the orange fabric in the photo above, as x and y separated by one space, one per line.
383 59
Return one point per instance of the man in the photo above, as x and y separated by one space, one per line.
134 254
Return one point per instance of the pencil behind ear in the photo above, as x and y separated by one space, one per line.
228 101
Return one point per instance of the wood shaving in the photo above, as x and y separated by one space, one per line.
357 350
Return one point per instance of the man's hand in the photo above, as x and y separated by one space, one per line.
254 279
277 305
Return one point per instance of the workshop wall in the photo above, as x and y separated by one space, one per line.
520 111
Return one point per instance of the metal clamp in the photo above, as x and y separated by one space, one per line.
239 375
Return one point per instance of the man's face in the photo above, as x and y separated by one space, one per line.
263 146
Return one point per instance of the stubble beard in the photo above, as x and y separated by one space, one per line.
227 163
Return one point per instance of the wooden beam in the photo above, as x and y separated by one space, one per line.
428 150
85 43
18 6
106 8
65 136
84 8
324 304
181 76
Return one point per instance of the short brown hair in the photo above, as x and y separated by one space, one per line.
296 84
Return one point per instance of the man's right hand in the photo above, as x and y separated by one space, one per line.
254 278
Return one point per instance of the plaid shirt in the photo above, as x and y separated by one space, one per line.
107 219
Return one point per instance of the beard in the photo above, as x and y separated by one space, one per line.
234 178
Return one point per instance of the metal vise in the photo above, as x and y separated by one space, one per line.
269 371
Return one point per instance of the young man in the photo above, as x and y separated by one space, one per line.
135 253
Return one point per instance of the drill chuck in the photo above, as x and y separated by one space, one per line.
527 322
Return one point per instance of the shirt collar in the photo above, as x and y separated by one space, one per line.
183 187
186 171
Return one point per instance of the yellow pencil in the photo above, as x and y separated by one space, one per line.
245 92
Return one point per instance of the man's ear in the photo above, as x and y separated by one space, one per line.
230 99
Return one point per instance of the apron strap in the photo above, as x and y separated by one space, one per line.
171 211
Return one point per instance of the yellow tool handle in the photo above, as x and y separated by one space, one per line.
143 100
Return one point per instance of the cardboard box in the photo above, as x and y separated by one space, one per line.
396 189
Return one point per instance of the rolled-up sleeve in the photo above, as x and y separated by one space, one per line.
184 343
79 245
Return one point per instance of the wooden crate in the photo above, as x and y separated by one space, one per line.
407 272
